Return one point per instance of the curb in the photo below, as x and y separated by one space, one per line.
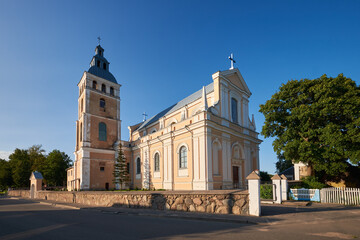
58 205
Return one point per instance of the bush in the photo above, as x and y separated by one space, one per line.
310 182
266 191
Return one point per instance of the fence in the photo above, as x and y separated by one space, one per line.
304 194
346 196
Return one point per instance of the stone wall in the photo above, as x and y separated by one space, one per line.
216 201
19 193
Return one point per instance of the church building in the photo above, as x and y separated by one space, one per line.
205 141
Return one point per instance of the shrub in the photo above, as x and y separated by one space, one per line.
266 191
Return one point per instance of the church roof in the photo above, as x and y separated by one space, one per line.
99 66
102 73
193 97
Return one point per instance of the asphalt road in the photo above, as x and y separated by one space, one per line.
24 219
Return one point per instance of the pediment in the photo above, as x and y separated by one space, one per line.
234 77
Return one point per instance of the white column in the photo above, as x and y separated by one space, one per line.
168 165
247 158
284 187
209 161
254 194
276 181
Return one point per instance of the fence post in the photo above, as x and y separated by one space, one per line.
276 180
254 194
284 188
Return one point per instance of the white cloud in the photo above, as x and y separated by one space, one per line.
5 154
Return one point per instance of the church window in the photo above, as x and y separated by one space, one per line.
111 91
183 157
102 103
157 162
102 131
81 105
102 169
98 63
128 167
103 88
94 84
104 66
234 108
138 167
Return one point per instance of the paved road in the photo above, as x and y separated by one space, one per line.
24 219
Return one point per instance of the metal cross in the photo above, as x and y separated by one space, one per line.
231 57
99 39
145 115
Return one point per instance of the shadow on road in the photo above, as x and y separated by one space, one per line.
276 210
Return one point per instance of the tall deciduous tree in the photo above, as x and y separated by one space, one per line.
5 174
55 170
121 171
37 158
20 167
316 122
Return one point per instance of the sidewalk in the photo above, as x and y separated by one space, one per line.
158 213
272 214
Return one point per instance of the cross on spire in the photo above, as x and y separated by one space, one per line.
145 115
231 57
99 39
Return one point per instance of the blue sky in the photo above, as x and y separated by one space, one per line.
160 51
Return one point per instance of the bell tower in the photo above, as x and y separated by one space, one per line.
98 127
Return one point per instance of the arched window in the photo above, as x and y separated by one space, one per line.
98 63
94 84
81 105
80 132
102 131
138 166
103 88
157 162
215 158
111 91
102 103
183 157
104 66
234 110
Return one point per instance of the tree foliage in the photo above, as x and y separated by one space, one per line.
55 168
282 164
20 168
5 174
316 122
121 171
16 172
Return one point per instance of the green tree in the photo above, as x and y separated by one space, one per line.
5 174
37 158
282 164
316 122
20 168
55 168
121 171
265 176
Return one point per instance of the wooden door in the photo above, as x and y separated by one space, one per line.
236 176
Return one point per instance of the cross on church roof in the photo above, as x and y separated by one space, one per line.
145 115
99 39
231 57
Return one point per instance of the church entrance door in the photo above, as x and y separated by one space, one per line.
235 176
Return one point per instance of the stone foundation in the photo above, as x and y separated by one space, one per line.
215 201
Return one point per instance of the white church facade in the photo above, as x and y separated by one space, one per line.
205 141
